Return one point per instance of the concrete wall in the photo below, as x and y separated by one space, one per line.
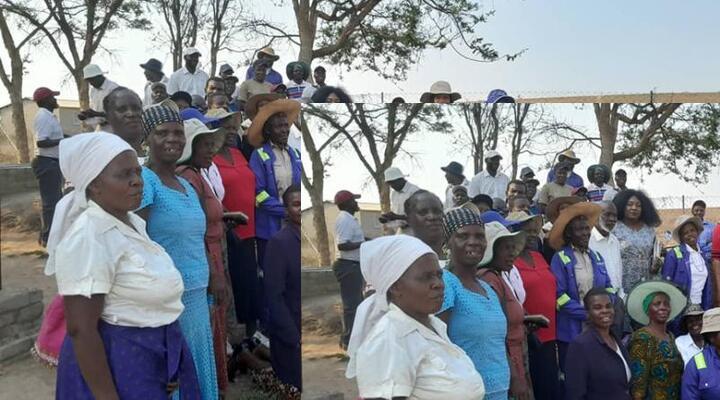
20 315
17 179
317 282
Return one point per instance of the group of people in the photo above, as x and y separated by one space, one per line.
173 233
499 290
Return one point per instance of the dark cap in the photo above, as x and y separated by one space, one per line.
344 196
454 168
153 65
43 93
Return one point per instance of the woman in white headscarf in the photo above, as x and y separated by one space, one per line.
398 349
121 290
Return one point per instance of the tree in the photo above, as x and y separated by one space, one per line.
14 82
229 23
76 28
484 126
182 19
385 37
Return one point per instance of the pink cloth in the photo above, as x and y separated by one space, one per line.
52 332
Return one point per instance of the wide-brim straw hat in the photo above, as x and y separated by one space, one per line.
553 209
251 107
637 295
590 210
439 87
711 321
269 52
193 129
495 231
684 220
521 217
291 108
570 155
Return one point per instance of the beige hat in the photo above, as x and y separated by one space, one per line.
393 173
711 321
220 113
684 220
439 87
495 231
91 71
571 155
194 128
522 217
270 52
591 211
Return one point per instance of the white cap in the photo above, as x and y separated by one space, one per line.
91 71
393 173
491 154
190 51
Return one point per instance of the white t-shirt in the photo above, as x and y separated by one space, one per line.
397 202
308 93
493 186
698 275
97 95
348 230
609 248
687 347
401 357
102 255
46 127
185 81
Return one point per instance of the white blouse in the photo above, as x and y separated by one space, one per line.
102 255
400 357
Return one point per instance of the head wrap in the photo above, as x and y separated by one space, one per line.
165 111
382 262
82 158
457 218
648 300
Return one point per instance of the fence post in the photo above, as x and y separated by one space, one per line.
683 203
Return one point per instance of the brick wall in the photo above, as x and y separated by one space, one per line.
20 315
17 179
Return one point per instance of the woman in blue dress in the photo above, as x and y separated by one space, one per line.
176 220
476 321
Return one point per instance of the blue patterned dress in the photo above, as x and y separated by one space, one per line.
477 324
176 221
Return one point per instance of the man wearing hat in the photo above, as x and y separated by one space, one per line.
401 191
701 378
599 190
297 73
454 177
272 77
490 181
440 93
573 179
189 78
153 74
231 88
99 87
499 96
348 237
558 187
46 166
256 85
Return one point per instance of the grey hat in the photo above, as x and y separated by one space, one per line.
526 171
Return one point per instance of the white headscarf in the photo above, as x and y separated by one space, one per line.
382 261
82 158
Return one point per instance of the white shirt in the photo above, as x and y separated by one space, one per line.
102 255
185 81
147 100
687 347
609 248
493 186
308 93
295 137
449 203
348 230
47 126
698 275
397 202
400 357
514 280
213 178
97 95
625 364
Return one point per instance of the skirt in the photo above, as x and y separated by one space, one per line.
52 333
142 362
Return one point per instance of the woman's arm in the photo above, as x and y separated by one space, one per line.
82 316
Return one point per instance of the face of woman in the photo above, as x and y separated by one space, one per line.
231 129
442 99
467 245
633 209
659 310
166 142
119 187
689 235
580 232
426 218
601 311
124 116
293 208
332 98
694 324
420 290
532 230
203 150
504 254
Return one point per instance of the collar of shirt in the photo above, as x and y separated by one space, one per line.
408 325
275 146
404 188
690 249
108 221
599 236
185 71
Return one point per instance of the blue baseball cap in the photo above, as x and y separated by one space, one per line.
499 96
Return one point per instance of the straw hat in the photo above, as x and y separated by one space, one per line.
220 113
291 108
194 128
590 210
711 321
684 220
553 209
268 51
570 155
251 107
495 231
637 296
439 87
520 217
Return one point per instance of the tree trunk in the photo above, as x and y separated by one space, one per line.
18 118
307 26
608 129
82 87
315 189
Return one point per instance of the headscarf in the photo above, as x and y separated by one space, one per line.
648 300
82 158
457 218
382 262
163 112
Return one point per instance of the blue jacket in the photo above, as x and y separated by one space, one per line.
571 313
677 269
701 379
573 179
595 371
705 240
269 210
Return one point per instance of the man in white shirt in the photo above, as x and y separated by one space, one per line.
348 236
100 87
46 166
153 74
401 191
189 78
491 181
454 177
604 242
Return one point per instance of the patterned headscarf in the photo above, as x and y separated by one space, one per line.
165 111
457 218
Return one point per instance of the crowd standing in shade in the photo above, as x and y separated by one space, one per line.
570 296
